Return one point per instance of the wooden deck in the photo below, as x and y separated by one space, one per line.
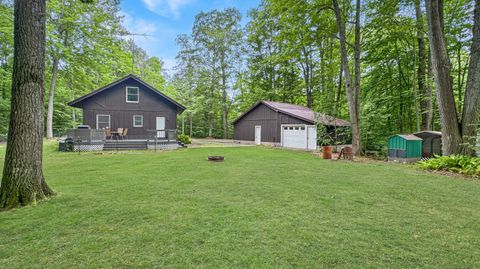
139 144
95 140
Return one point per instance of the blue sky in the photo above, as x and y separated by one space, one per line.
163 20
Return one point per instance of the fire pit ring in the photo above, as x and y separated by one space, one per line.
216 158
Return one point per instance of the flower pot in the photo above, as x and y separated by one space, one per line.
327 152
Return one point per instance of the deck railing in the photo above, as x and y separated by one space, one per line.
164 134
86 135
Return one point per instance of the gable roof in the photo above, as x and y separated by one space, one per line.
409 137
299 112
78 102
427 133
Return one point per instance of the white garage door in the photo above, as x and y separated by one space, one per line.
294 137
299 137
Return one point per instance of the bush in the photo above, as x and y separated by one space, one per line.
185 139
455 163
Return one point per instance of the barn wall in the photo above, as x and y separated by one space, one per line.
262 115
113 102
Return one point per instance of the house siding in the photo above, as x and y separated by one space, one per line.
269 119
113 102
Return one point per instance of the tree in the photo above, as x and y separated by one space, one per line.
424 90
218 35
458 134
352 86
23 182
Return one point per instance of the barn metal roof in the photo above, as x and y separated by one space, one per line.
434 133
78 102
300 112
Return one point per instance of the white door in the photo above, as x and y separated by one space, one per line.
258 135
160 126
294 136
312 137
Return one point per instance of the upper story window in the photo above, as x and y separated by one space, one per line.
132 95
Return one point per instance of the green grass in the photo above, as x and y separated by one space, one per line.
261 208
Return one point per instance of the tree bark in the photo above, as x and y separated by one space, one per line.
352 90
472 91
451 136
23 182
425 103
51 97
224 98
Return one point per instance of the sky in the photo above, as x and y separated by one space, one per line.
163 20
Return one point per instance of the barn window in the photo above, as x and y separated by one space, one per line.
138 121
103 121
132 95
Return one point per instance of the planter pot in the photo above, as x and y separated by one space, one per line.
327 152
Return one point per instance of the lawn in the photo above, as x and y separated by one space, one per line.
261 208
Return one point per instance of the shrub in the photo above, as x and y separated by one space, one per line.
185 139
454 163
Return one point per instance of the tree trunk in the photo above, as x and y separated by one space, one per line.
472 92
451 136
23 181
423 91
51 97
224 99
352 90
430 96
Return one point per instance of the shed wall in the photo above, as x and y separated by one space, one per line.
270 120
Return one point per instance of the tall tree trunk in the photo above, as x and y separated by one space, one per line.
224 98
425 102
451 136
23 182
225 107
352 90
472 92
339 92
210 114
51 97
430 96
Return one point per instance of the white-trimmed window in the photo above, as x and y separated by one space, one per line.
103 121
132 95
137 120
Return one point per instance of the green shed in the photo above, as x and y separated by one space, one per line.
404 148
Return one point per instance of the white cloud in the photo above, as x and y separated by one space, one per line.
153 37
138 26
167 8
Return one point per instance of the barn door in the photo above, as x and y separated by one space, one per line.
311 137
160 127
258 135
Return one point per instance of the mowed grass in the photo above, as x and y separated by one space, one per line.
261 208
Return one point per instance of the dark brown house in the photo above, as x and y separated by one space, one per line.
129 103
281 123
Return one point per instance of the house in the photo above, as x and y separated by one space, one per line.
133 104
283 124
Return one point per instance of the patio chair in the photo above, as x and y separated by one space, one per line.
124 134
108 133
119 132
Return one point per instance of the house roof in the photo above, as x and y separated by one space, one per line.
78 102
299 112
410 137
